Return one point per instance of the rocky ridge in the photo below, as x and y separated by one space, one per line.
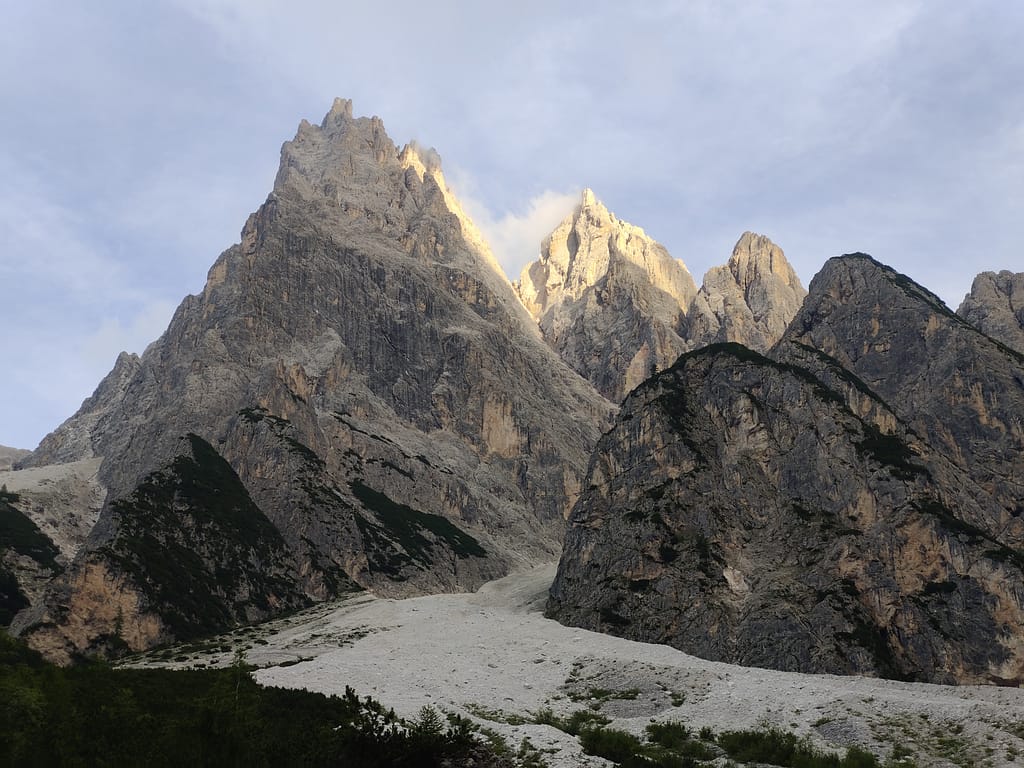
610 300
749 300
616 306
823 509
995 306
367 376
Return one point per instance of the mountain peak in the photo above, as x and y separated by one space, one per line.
589 200
340 111
995 305
854 275
756 254
750 299
585 246
607 297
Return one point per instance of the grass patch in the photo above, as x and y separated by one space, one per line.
611 744
777 747
890 451
574 724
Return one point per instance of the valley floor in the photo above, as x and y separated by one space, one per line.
493 655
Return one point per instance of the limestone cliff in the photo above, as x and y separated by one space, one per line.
46 514
749 300
610 300
367 373
28 559
962 391
995 306
842 505
616 306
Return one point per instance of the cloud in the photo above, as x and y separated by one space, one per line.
515 236
136 137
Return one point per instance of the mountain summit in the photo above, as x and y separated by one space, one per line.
616 306
750 300
608 298
995 306
356 399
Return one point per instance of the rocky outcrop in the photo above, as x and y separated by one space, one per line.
995 306
960 390
46 514
28 559
610 300
10 456
750 300
62 500
812 510
190 553
617 307
370 377
73 440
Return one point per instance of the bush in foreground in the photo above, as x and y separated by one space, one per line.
95 715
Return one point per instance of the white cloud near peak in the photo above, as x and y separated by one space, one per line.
515 236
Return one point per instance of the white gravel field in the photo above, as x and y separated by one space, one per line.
494 656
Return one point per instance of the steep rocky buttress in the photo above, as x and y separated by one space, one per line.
843 505
359 378
995 306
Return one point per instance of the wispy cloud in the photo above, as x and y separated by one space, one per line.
515 236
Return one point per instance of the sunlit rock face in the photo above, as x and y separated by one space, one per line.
359 375
749 300
617 307
609 299
847 503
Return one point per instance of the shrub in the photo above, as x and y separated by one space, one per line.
671 734
777 747
610 743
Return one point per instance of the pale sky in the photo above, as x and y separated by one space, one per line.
135 138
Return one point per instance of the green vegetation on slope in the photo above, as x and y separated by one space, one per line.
199 547
94 715
418 534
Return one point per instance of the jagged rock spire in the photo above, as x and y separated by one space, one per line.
995 306
750 299
608 298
